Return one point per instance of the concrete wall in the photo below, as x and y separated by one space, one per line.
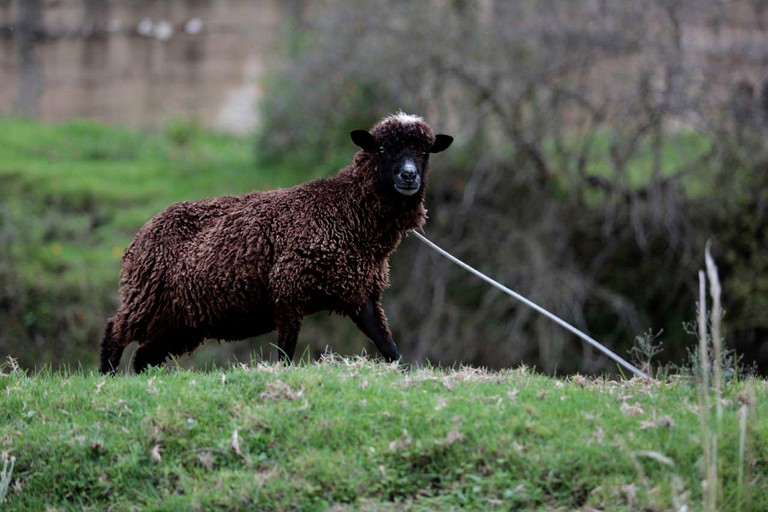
139 62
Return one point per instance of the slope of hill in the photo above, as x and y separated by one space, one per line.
352 434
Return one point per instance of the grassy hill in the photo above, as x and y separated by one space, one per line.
342 434
350 434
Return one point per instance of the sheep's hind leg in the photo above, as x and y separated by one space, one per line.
288 326
373 322
112 347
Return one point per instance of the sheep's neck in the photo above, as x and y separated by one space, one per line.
387 215
389 218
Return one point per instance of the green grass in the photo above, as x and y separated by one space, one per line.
357 435
612 157
83 165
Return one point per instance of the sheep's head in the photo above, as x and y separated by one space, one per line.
399 147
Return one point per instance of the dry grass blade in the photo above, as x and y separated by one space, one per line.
715 329
710 496
235 444
703 335
710 385
658 457
13 366
154 453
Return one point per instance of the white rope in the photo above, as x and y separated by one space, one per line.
533 305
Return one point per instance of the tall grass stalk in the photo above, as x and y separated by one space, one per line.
717 340
710 498
710 382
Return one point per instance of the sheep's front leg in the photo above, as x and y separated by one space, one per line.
373 322
288 326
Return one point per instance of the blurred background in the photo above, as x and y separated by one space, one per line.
599 146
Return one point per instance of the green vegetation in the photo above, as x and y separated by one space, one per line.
635 163
359 435
81 166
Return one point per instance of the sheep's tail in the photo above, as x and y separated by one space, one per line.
111 350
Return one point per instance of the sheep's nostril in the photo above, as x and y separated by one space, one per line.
408 171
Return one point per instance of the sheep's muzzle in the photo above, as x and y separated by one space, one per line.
408 178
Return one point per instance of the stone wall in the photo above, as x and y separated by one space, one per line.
139 62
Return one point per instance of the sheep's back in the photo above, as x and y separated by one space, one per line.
195 261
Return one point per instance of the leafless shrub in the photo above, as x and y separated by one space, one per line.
582 127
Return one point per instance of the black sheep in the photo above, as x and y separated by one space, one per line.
239 266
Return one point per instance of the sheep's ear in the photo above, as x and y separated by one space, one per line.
363 139
442 142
